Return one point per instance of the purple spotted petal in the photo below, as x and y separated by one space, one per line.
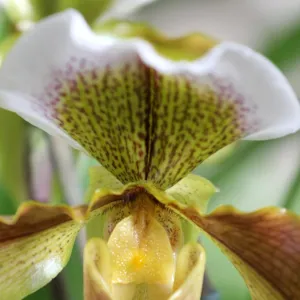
142 116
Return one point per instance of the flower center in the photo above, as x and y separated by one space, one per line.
143 238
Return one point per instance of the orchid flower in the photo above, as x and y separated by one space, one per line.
149 121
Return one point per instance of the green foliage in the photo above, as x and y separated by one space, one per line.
12 154
73 275
292 199
44 293
91 9
5 25
283 48
7 206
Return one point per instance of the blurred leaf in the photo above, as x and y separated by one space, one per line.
292 199
91 9
7 206
5 25
8 35
73 275
44 293
56 196
214 171
12 139
35 10
83 165
12 156
255 181
283 48
42 8
6 44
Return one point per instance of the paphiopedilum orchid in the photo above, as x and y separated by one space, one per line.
149 121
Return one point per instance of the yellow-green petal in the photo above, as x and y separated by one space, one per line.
35 245
193 190
189 273
263 246
188 47
141 253
101 179
97 270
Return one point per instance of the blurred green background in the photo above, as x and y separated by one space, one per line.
250 175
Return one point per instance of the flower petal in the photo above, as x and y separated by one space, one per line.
189 273
101 179
97 270
35 245
263 246
142 116
189 47
140 256
193 191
